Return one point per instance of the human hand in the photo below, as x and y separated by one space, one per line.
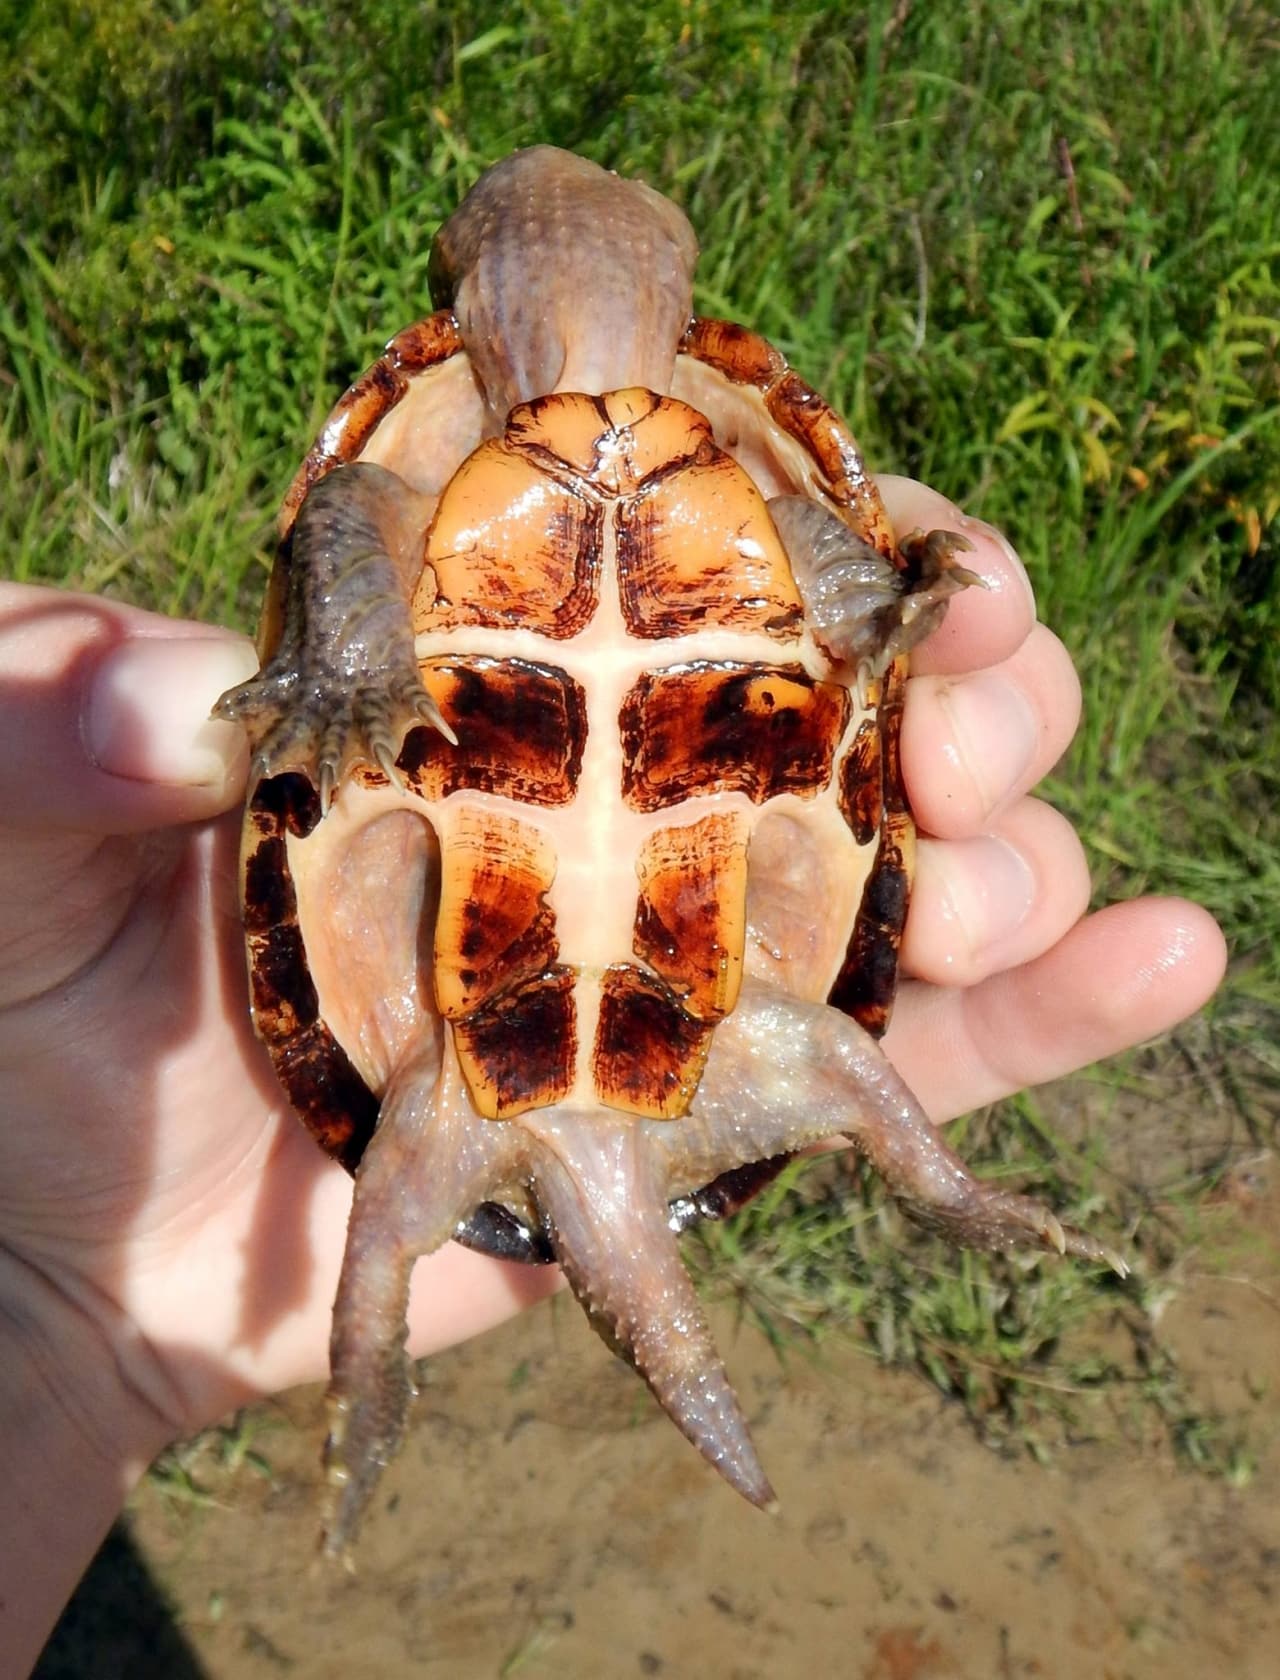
1009 984
171 1235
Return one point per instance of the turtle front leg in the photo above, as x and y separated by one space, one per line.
343 687
864 609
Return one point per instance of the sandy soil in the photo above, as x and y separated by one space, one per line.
544 1520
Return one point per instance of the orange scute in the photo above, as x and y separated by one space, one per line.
510 545
493 927
691 916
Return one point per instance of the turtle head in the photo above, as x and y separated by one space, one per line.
564 277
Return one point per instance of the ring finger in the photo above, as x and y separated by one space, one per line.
991 901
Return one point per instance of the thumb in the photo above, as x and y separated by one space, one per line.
105 715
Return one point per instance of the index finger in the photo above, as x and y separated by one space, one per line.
105 711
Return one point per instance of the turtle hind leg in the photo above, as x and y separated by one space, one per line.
428 1165
343 687
600 1180
864 609
783 1072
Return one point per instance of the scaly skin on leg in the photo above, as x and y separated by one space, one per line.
603 1191
781 1074
343 686
431 1161
862 608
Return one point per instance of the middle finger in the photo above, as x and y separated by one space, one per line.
973 745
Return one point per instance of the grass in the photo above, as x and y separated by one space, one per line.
1031 250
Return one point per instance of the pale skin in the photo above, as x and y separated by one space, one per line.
171 1237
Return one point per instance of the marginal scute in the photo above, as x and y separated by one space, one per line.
318 1077
282 993
737 352
518 1052
493 927
521 728
649 1051
744 358
269 898
411 353
328 1093
728 727
691 915
868 979
862 783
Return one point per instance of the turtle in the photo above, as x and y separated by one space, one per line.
576 856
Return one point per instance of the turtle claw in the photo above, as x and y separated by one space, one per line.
364 1435
327 783
977 1214
310 722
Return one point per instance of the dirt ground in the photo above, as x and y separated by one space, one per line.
545 1520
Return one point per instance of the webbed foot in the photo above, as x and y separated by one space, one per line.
302 715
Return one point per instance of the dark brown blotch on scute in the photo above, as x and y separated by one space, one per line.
868 978
862 783
521 731
761 730
895 793
518 1051
867 991
649 1054
503 936
333 1101
884 900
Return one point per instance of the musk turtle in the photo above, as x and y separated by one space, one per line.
576 854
